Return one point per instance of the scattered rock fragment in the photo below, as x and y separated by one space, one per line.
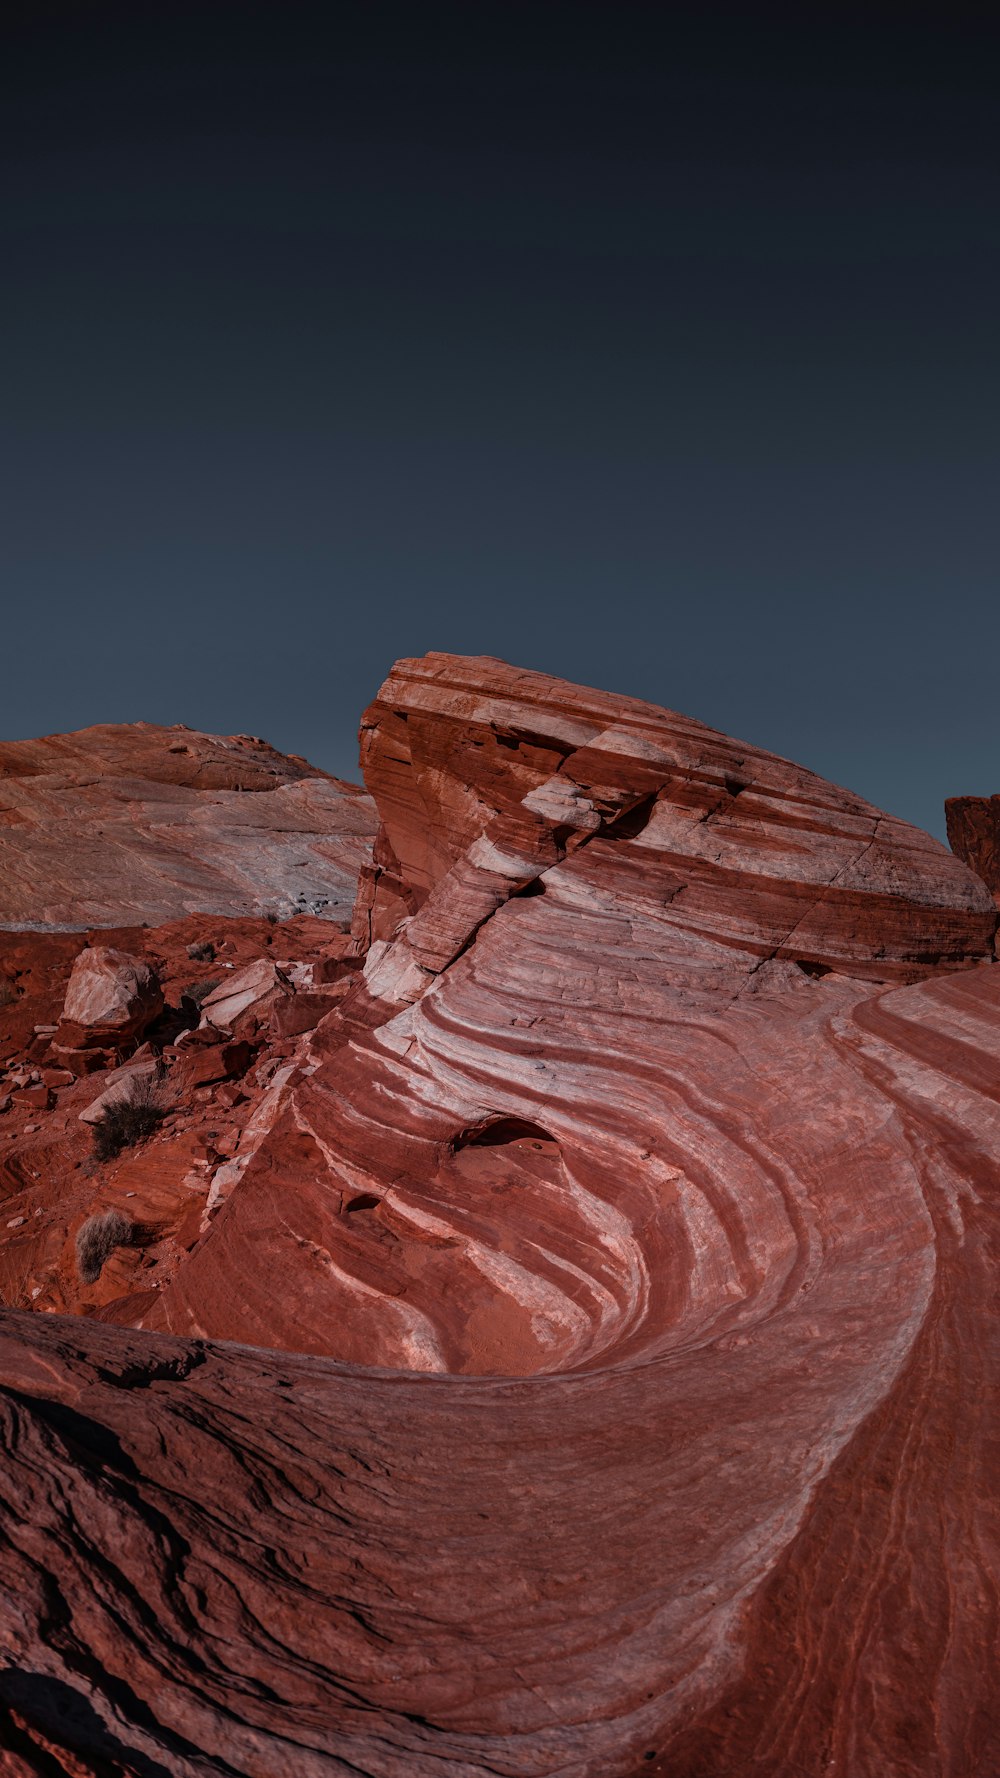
118 1086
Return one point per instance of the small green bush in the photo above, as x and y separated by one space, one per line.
96 1241
128 1120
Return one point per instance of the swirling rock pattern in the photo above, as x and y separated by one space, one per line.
630 1232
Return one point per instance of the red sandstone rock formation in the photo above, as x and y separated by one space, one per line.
974 835
110 998
120 825
653 1158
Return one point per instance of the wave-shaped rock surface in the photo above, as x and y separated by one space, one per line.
629 1226
129 823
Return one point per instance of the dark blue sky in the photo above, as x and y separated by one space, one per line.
651 346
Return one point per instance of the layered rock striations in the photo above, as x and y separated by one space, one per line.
129 824
585 1340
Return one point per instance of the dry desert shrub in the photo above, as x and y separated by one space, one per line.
14 1287
200 991
129 1120
96 1241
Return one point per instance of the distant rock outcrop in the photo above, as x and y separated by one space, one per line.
584 1274
130 824
974 835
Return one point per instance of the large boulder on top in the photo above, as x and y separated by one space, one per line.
111 998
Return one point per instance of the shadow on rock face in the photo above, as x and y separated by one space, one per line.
38 1700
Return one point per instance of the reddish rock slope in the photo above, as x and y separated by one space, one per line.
120 825
974 835
654 1158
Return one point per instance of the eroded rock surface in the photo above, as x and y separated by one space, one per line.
124 824
974 835
653 1159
